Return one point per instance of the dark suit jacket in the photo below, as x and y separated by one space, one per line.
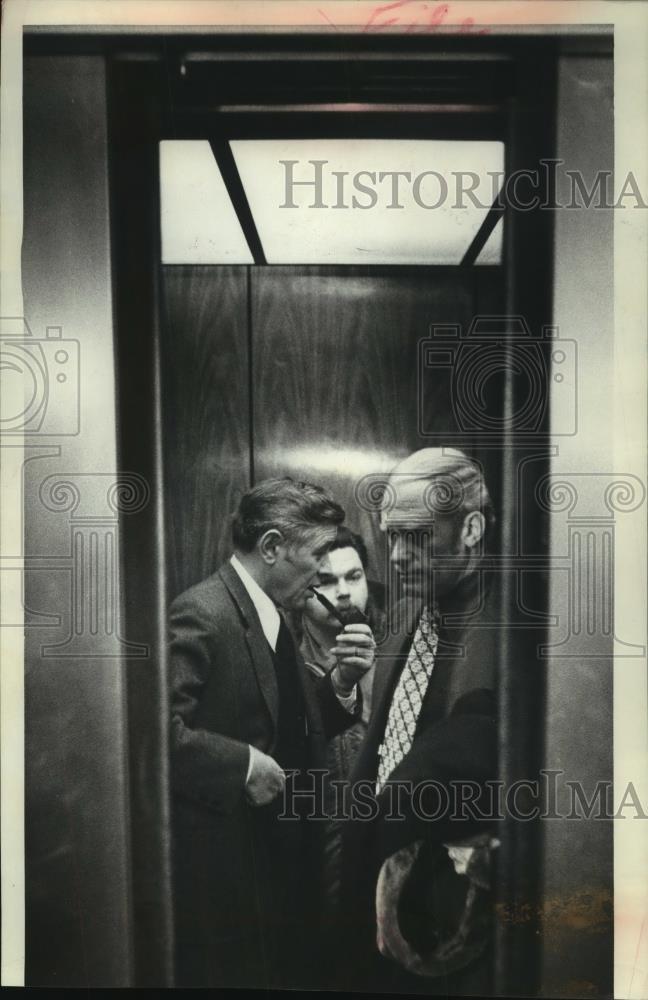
455 740
233 863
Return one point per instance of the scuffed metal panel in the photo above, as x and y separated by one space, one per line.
77 852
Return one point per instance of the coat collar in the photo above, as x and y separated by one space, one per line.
464 597
404 619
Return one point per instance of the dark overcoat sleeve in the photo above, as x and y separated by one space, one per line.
457 754
206 766
335 718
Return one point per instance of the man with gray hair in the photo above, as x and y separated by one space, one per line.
412 919
247 723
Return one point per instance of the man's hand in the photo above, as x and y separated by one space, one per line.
266 779
355 651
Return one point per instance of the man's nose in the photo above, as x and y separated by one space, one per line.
342 590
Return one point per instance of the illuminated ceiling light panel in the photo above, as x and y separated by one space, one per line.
198 221
369 201
491 252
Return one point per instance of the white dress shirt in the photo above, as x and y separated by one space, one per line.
270 622
263 605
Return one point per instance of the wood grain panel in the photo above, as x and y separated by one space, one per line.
335 374
205 413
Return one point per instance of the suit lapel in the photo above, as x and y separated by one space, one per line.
395 650
260 652
447 681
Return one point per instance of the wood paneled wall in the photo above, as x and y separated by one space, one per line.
311 372
206 426
335 375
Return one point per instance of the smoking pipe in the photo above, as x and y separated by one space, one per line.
352 616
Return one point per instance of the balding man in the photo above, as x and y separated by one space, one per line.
433 727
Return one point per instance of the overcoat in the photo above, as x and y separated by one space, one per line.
455 743
238 869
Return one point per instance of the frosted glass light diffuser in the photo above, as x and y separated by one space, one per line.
370 201
198 221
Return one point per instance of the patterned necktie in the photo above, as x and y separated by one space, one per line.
408 698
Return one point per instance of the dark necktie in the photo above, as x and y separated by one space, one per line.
291 740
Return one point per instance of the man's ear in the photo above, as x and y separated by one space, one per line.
473 528
268 545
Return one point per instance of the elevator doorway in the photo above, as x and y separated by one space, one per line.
230 373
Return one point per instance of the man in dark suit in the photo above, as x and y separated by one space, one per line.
247 721
433 721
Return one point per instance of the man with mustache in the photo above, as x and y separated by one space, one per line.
343 581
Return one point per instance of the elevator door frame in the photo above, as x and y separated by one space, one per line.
140 116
